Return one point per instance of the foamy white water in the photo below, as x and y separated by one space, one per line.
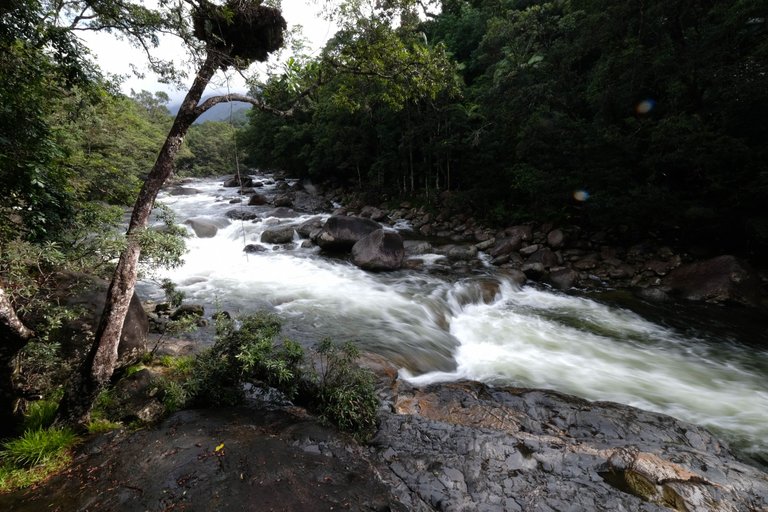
439 327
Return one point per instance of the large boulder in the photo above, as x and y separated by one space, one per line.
563 278
506 245
257 200
242 214
507 449
278 235
545 256
340 232
202 228
722 279
379 250
306 202
183 191
282 213
308 227
88 294
239 181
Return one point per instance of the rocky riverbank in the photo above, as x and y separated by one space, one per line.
563 257
454 447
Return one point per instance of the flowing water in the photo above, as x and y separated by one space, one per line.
440 326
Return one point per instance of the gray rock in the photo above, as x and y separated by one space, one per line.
279 235
534 271
183 191
373 213
306 228
257 200
545 256
653 294
88 294
460 252
530 249
379 250
202 228
283 200
467 446
506 245
416 247
282 213
340 232
485 245
555 238
254 248
563 278
312 203
721 279
242 214
242 181
524 232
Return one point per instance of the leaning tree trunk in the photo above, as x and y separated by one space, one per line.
99 365
13 336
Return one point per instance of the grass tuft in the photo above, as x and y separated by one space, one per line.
36 447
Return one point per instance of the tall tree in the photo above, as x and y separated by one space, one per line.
233 35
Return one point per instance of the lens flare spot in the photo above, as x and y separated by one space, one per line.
645 106
581 195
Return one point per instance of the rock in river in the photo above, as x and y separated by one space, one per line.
340 232
379 250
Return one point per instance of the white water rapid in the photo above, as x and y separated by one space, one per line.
439 326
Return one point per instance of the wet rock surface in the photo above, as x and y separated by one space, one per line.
449 447
214 460
466 446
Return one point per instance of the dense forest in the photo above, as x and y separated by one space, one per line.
644 116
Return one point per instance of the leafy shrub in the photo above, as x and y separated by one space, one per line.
346 396
174 296
245 351
175 395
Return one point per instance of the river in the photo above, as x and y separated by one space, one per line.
436 326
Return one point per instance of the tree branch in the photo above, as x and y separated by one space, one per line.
10 321
215 100
259 104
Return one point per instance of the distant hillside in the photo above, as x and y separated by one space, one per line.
220 112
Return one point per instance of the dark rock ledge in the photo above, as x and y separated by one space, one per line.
451 447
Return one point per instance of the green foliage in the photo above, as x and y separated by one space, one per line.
246 352
100 426
172 295
40 415
219 373
12 477
39 452
345 392
162 247
211 150
182 365
37 447
657 111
